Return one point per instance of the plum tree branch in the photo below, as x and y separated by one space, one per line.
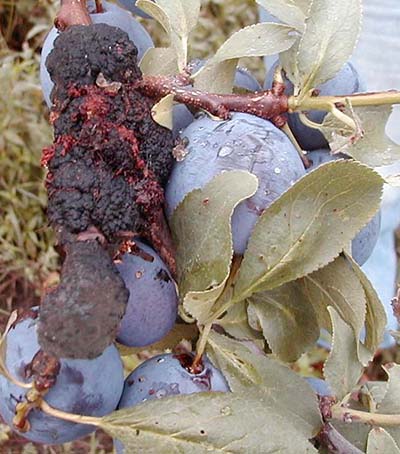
349 415
72 12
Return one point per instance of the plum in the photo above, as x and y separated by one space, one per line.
244 142
319 386
153 302
86 387
346 82
113 15
166 375
364 242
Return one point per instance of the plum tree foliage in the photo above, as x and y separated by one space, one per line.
268 239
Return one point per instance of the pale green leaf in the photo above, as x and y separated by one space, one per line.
156 12
162 111
230 423
342 369
287 319
372 146
336 285
287 11
201 228
159 61
218 78
309 225
246 370
235 323
252 41
375 321
182 14
380 442
331 32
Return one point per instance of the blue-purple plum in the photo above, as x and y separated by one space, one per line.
112 15
163 376
182 116
346 82
85 387
364 242
153 301
244 142
319 386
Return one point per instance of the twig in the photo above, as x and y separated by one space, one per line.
72 12
349 415
330 438
80 419
303 157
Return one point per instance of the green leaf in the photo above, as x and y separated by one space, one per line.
287 319
372 146
252 41
162 111
342 369
331 32
201 228
246 371
236 324
380 441
375 322
228 423
159 61
309 225
336 285
287 11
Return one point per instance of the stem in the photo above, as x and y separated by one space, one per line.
335 442
269 104
346 414
72 12
296 144
79 419
201 344
357 100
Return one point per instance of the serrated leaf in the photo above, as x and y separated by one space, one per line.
376 319
309 225
342 369
287 319
373 147
331 32
380 441
246 370
287 11
336 285
229 423
201 228
162 111
252 41
159 61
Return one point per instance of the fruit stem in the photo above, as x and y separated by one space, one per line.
286 129
79 419
201 344
349 415
72 12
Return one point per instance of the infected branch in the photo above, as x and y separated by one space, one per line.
72 12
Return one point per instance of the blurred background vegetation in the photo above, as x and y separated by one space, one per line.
28 262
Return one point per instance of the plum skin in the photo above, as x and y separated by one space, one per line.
87 387
364 242
113 15
244 142
163 376
346 82
153 302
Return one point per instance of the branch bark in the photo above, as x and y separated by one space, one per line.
72 12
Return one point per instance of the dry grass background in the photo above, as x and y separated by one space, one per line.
28 261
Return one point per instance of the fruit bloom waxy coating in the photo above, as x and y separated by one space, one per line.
113 15
86 387
165 375
244 142
364 242
346 82
153 302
